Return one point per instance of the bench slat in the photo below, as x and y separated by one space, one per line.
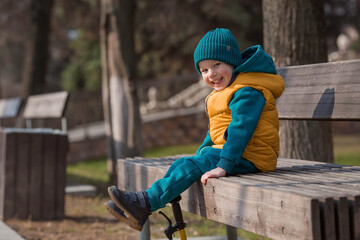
355 216
8 150
328 217
49 172
22 174
36 180
321 91
62 150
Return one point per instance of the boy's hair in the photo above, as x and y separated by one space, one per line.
218 44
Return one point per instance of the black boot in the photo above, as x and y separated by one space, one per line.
135 205
118 213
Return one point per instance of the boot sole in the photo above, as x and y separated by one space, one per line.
120 217
134 222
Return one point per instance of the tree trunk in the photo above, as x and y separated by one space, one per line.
37 49
121 111
294 34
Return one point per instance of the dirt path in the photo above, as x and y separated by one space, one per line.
86 219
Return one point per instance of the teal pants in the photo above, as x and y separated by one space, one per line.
184 172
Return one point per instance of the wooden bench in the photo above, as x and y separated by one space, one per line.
301 199
33 164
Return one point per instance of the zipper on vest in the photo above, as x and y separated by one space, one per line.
206 109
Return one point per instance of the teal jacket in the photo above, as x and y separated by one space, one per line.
246 107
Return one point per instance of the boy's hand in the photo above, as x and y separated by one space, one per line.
215 173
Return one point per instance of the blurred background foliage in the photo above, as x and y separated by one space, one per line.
166 33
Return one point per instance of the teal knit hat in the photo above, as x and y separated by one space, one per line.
218 44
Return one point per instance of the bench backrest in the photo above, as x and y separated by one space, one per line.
327 91
49 105
10 107
9 111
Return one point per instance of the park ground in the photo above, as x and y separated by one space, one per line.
87 219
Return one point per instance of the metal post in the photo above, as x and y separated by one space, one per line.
145 233
64 124
28 123
231 233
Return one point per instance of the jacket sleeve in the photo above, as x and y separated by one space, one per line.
246 107
207 143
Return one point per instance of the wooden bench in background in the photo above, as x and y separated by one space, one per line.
33 163
301 199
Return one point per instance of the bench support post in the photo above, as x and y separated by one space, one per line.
231 232
28 123
145 233
64 124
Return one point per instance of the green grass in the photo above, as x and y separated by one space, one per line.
347 149
94 171
172 150
91 172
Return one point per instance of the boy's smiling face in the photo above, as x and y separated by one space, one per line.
216 74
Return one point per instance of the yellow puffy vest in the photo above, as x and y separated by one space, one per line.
263 148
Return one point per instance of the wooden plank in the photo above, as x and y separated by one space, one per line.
286 162
22 174
277 186
236 205
327 213
342 219
321 91
9 108
319 179
345 178
9 154
50 105
61 158
354 209
49 192
310 189
36 195
2 172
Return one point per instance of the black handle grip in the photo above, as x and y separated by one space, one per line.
179 221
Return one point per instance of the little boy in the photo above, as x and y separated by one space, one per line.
243 126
